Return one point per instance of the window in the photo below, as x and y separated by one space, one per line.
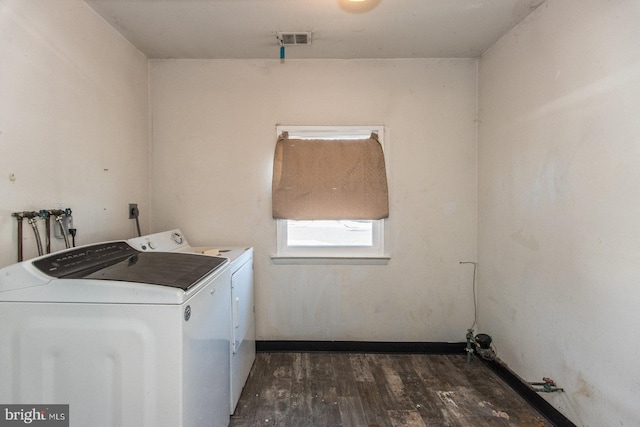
331 238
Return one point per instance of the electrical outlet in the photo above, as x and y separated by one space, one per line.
133 210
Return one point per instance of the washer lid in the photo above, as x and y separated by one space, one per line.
174 269
120 262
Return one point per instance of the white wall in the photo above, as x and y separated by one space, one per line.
559 211
558 173
213 139
74 124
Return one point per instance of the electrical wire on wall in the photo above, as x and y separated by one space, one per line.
134 213
475 301
282 52
480 343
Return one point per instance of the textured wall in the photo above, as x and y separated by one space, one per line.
74 126
559 213
213 143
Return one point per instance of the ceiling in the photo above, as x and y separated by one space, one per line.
247 29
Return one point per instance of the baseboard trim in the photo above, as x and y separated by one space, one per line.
534 399
361 347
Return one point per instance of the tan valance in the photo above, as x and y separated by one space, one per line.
329 179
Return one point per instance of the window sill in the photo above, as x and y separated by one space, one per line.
320 260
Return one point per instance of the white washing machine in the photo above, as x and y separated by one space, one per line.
126 338
242 334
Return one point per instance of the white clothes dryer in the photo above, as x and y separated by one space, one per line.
242 334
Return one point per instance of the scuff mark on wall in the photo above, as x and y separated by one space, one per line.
528 241
584 388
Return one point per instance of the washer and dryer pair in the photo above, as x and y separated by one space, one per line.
126 337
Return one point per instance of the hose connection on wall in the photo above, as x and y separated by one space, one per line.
62 218
546 386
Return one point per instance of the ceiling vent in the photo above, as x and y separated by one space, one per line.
294 39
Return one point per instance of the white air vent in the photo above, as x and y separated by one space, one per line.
294 39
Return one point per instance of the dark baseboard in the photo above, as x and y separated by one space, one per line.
533 398
361 347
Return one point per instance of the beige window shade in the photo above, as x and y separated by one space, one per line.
317 179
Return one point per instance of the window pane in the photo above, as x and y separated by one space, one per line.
330 233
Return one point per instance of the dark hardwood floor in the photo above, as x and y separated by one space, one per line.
382 390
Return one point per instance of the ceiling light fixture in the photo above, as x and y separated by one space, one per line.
358 6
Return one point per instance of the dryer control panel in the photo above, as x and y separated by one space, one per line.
166 241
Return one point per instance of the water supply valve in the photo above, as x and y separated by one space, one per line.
546 386
483 347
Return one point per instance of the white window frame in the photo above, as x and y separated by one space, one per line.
331 254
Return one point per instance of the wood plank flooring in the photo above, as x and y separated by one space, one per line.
377 390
